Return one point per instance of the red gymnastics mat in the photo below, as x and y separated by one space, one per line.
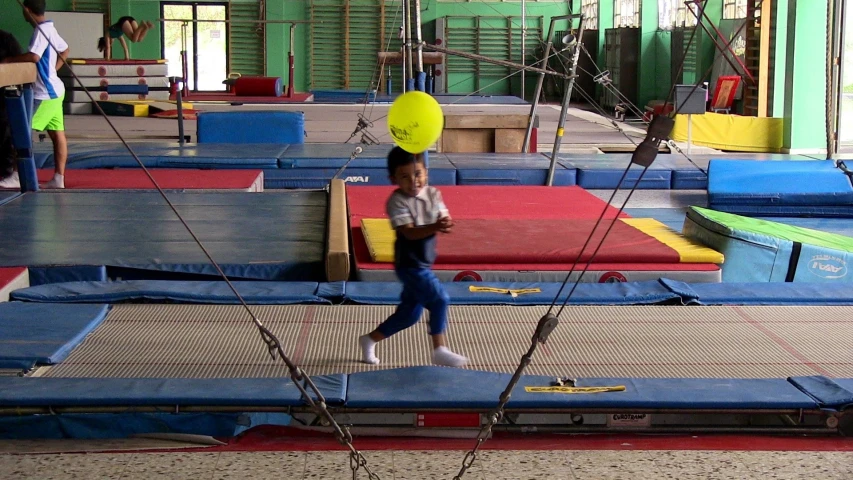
167 178
545 256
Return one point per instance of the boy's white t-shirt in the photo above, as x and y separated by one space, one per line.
47 85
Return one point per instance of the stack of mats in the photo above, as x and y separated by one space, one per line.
773 189
113 81
530 234
762 251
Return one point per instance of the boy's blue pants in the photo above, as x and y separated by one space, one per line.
421 289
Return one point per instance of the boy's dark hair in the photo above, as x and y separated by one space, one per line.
35 6
398 157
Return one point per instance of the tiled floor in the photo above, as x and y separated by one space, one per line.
419 465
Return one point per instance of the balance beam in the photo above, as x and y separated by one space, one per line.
17 73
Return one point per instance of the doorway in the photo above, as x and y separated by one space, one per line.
204 40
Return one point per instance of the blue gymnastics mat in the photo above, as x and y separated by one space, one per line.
757 250
276 236
239 392
162 291
42 334
604 172
508 169
335 155
451 388
251 127
82 155
440 173
771 188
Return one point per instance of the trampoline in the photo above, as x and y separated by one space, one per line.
529 239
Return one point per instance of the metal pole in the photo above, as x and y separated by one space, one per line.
180 105
523 35
290 74
548 44
408 37
567 97
419 66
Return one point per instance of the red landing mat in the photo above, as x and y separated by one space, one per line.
167 178
227 97
491 202
547 241
520 203
10 274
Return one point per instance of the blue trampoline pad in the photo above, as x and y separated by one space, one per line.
260 293
223 155
275 236
42 334
829 393
738 183
235 392
604 173
451 388
8 195
508 169
633 293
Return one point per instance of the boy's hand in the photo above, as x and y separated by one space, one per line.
445 224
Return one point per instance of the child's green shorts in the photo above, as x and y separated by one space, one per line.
48 115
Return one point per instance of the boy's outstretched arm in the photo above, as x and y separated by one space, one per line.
412 232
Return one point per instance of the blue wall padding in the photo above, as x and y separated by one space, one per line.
119 425
266 293
827 392
442 387
249 392
251 127
634 293
44 334
74 273
760 183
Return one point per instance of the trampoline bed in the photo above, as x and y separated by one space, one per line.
274 236
529 234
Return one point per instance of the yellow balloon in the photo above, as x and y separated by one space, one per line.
415 121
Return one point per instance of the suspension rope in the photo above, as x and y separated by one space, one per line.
301 380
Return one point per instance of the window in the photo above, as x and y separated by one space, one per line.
626 13
589 10
733 9
675 14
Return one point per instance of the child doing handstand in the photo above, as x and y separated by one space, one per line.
124 26
417 213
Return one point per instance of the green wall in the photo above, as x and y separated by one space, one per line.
13 21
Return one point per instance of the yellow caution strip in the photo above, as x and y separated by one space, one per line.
513 292
617 388
380 238
100 61
688 250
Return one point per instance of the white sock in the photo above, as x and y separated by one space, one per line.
12 181
58 181
443 356
368 349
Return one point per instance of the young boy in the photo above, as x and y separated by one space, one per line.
48 90
417 213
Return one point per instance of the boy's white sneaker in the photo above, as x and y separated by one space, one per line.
443 356
12 181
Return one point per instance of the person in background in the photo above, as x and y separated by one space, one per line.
124 27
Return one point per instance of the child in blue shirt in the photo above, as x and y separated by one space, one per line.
417 213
